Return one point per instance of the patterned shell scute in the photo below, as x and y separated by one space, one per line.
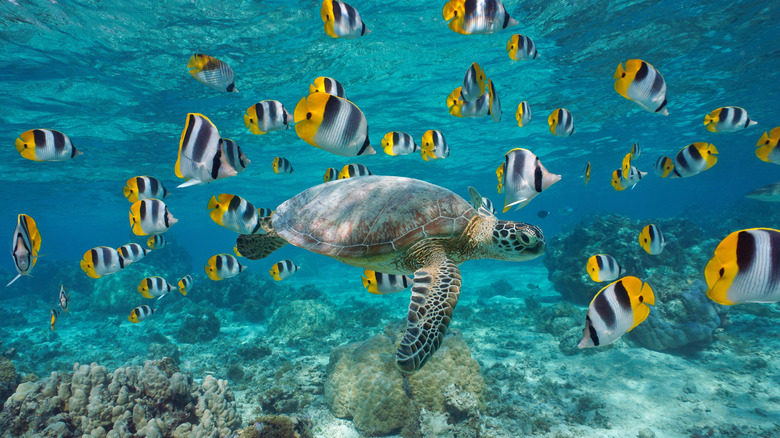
370 216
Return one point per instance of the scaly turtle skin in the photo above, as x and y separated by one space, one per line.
403 226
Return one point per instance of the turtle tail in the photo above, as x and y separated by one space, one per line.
258 246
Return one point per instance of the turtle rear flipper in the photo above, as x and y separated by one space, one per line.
258 246
434 295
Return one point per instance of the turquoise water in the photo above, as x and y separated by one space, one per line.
113 77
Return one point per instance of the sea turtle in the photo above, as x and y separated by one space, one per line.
398 225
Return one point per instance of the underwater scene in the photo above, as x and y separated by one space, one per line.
312 218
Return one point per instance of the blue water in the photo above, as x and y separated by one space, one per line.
113 77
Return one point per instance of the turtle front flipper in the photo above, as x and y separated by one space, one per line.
434 295
258 246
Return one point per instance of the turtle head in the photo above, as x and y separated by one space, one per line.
516 241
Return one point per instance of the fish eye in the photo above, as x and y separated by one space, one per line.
623 75
722 271
766 142
308 115
641 299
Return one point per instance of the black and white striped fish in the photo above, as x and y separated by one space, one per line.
342 20
283 270
222 266
144 187
663 166
521 48
561 122
616 310
235 156
324 84
494 101
154 287
727 119
201 158
45 145
380 283
140 313
331 174
64 299
266 116
434 146
101 261
523 114
694 159
150 216
235 213
353 170
185 284
212 72
281 165
399 143
641 83
469 17
474 82
651 239
603 267
745 268
333 124
157 241
132 252
524 177
25 246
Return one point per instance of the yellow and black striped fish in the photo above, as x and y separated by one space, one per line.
652 240
636 151
561 122
586 173
603 267
201 156
342 20
45 145
474 82
727 119
266 116
331 174
101 261
140 313
694 159
767 146
745 268
500 175
144 187
324 84
399 143
524 178
235 213
641 83
185 284
222 266
235 156
495 103
663 166
156 242
434 145
468 108
469 17
25 246
154 287
523 114
281 165
333 124
616 310
53 315
132 252
212 72
150 216
283 270
380 283
621 181
521 48
64 299
353 170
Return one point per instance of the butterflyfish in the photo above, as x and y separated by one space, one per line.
156 242
45 145
694 159
283 270
478 201
523 114
474 82
101 261
154 287
54 314
140 313
652 240
469 17
495 103
380 283
561 122
266 116
281 165
354 170
132 252
465 108
603 267
324 84
222 266
621 181
586 173
399 143
524 178
334 124
331 173
616 310
201 158
185 284
745 268
25 246
64 299
636 151
500 176
641 83
521 48
150 216
727 119
235 213
144 187
212 72
342 20
767 146
235 156
663 166
434 145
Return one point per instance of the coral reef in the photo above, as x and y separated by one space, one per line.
700 319
131 401
198 328
363 383
278 426
8 379
302 319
